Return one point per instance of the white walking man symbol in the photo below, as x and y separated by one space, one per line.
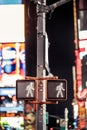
30 90
60 89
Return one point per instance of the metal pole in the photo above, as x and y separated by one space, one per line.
41 108
75 24
41 10
66 119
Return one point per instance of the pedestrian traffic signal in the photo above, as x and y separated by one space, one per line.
57 89
26 89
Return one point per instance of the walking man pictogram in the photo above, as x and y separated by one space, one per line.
60 89
30 90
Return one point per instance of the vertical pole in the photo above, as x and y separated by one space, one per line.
41 125
75 24
44 100
74 81
66 119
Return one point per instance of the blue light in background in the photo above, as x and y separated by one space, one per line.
3 2
4 91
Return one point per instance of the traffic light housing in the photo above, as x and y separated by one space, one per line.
57 89
26 89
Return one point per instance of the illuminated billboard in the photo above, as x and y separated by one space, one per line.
83 56
12 23
12 63
10 2
11 110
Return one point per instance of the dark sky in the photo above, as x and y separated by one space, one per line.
60 30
